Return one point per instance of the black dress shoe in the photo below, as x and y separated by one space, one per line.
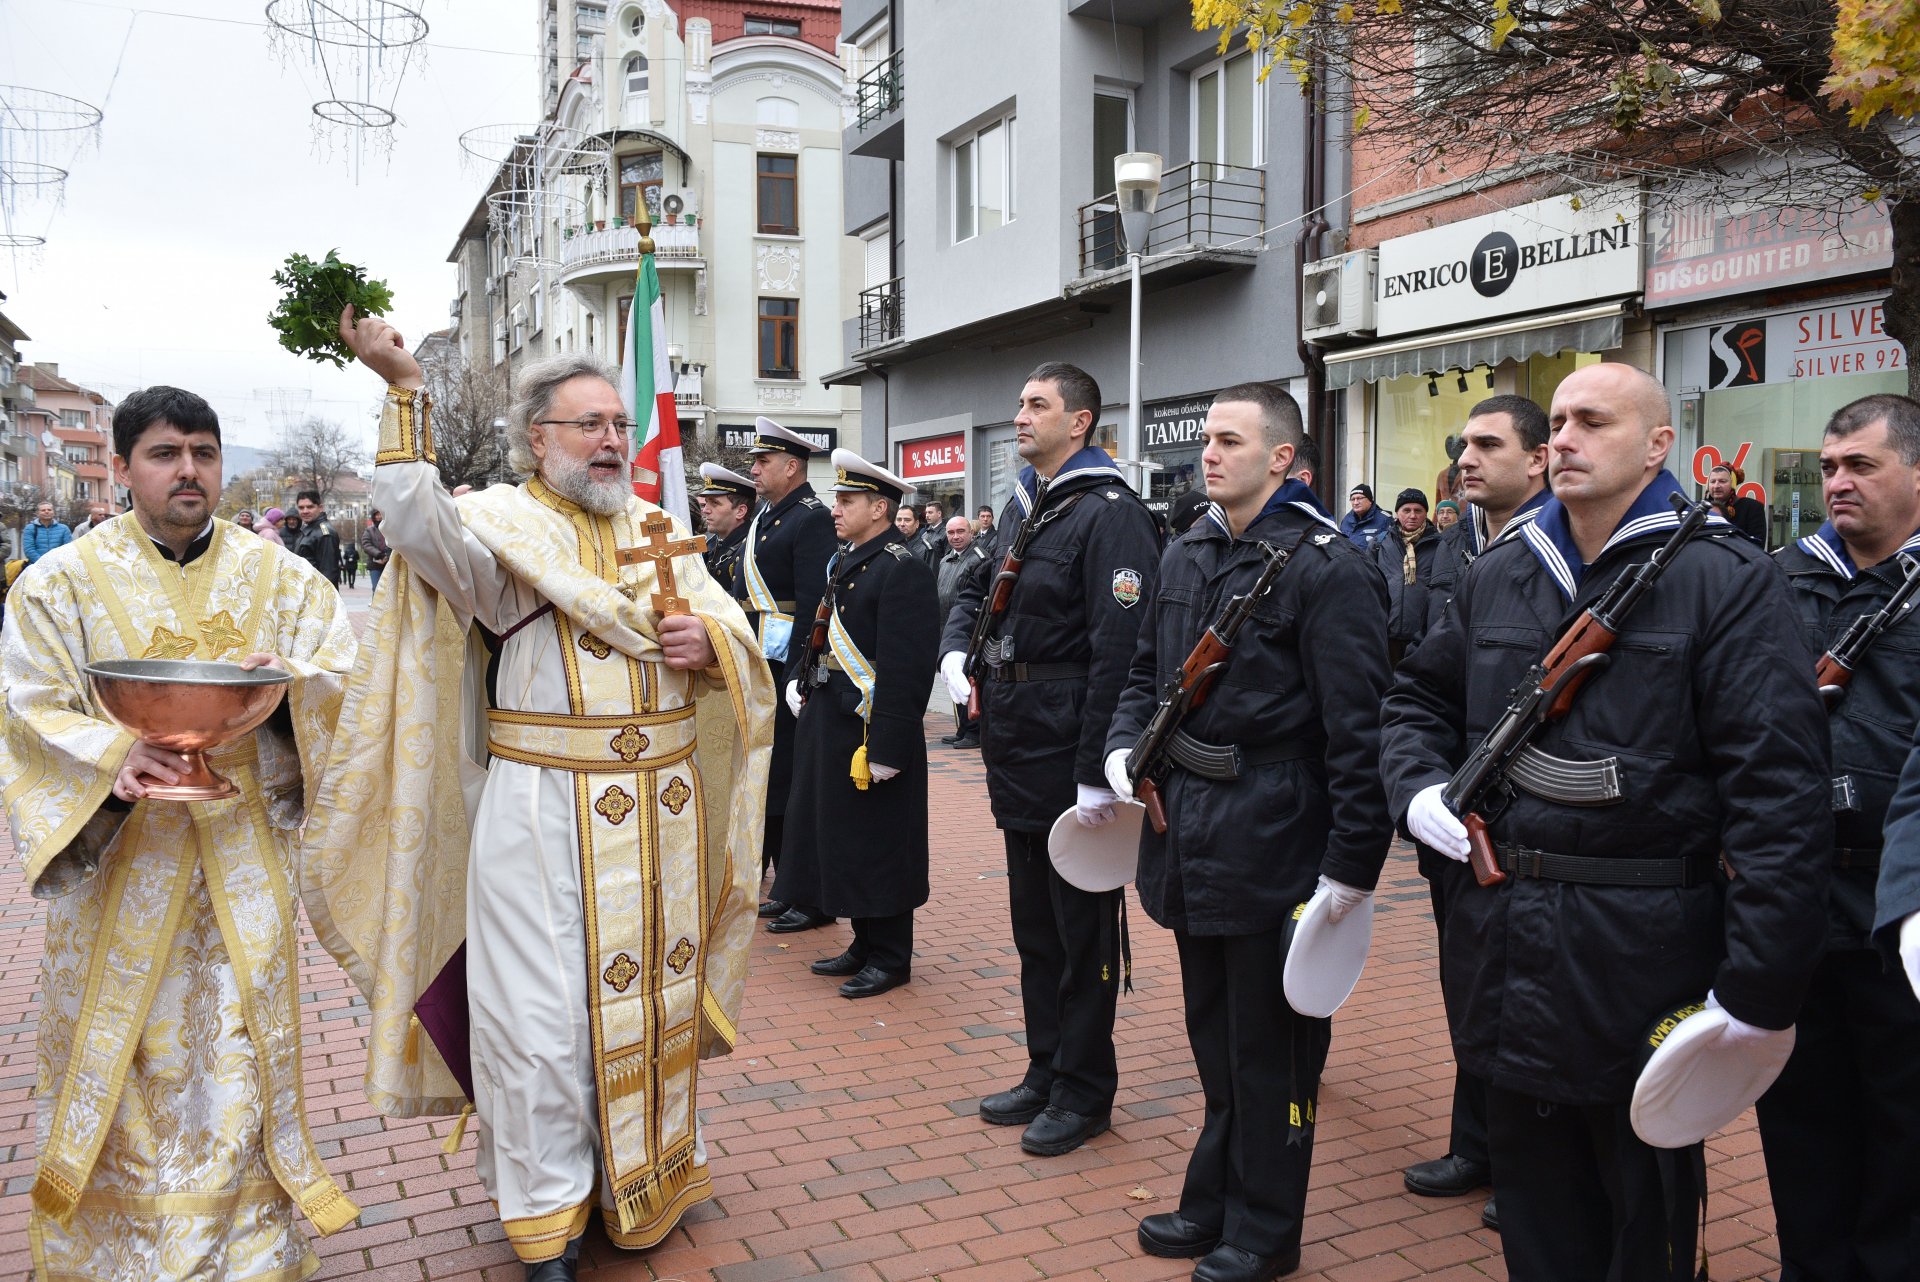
1174 1237
796 919
1227 1263
1447 1176
775 908
950 738
970 741
1058 1131
845 964
1016 1107
1489 1216
872 981
563 1268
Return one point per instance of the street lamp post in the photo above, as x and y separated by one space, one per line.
1136 183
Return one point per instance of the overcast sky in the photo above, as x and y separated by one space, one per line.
207 173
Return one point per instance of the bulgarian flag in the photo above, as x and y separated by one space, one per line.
646 385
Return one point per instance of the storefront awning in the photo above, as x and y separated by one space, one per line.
1596 328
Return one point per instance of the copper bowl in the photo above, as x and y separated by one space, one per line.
188 707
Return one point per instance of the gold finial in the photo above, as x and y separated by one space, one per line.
644 225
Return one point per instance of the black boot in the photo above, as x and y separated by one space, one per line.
563 1268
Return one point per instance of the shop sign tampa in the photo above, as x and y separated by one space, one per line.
1552 253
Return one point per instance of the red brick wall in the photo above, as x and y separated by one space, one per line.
819 21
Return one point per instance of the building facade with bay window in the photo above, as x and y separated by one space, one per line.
720 119
979 171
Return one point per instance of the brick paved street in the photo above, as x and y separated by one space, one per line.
843 1134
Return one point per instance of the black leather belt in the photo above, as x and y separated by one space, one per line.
1035 671
1228 761
1522 862
1856 856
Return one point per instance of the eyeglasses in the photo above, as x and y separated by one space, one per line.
592 427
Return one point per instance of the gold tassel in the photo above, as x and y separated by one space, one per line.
327 1208
862 776
452 1145
411 1052
55 1198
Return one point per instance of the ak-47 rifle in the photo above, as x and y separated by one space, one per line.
1188 689
1836 667
1546 693
994 603
817 636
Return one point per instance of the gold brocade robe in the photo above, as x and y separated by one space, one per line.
666 773
171 1132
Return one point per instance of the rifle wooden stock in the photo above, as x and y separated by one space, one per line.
1149 796
1202 665
1588 636
1003 580
1830 672
816 645
1486 869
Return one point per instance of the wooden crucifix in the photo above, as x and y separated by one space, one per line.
660 548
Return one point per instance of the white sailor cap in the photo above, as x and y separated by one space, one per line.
1693 1081
854 475
771 438
723 483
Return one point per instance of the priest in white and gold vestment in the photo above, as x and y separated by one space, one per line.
171 1141
601 870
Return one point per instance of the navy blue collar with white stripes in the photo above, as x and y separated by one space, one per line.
1477 515
1549 535
1826 546
1091 460
1294 494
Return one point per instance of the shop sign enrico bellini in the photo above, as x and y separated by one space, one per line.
1558 252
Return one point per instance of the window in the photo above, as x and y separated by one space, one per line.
788 27
983 190
590 15
636 24
1112 136
640 180
779 113
779 338
636 76
1226 113
779 199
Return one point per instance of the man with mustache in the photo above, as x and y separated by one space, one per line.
600 873
1613 914
170 1142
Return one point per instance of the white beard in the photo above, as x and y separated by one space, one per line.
570 480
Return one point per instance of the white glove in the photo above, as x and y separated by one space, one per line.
1116 771
881 773
1093 806
1910 950
1432 824
1737 1032
953 667
1345 898
793 697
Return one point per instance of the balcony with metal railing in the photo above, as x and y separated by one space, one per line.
592 256
1210 219
883 314
688 386
879 124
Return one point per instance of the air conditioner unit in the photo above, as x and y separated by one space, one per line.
493 286
683 201
1337 298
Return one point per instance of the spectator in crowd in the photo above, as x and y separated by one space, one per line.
1407 558
983 524
1366 524
96 517
1446 513
244 519
43 534
933 515
373 543
318 545
349 561
1747 515
964 558
270 525
1183 512
907 521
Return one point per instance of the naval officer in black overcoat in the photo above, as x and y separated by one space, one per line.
727 502
856 836
783 569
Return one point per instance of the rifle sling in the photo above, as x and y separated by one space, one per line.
1039 518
